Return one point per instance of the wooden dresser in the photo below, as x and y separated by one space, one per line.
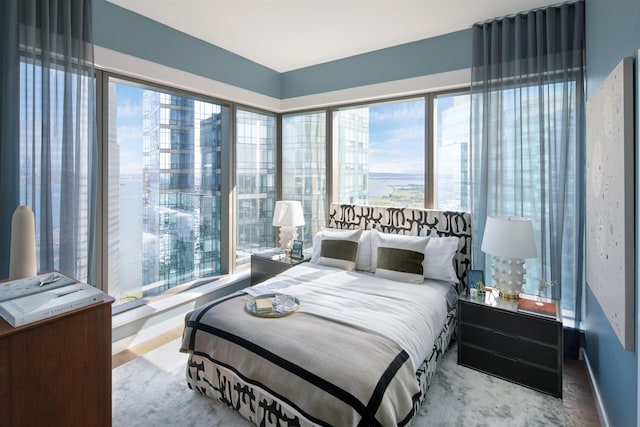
496 338
57 371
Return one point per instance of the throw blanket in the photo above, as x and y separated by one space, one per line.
326 366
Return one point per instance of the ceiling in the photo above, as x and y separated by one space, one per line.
286 35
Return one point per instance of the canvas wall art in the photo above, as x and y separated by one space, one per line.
610 184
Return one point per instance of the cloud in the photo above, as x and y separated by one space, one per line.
129 110
406 111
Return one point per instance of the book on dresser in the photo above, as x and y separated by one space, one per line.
49 302
18 288
535 307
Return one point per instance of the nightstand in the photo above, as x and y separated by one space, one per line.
263 268
495 338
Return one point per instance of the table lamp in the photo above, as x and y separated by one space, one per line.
509 240
288 216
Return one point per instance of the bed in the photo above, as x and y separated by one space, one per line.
365 342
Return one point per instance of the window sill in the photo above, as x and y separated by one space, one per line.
144 322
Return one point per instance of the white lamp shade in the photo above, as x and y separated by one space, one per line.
288 213
510 237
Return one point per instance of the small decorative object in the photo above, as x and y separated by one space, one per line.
296 250
475 279
543 285
22 259
509 240
288 216
272 305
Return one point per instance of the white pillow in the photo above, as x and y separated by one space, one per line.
336 248
363 262
399 257
438 259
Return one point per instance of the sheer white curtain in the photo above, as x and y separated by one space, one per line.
527 138
49 156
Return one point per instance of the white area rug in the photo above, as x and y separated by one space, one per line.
151 391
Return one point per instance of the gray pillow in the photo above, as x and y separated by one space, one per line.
341 253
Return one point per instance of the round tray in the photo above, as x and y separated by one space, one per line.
250 307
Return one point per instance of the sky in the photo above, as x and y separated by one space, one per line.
396 134
396 138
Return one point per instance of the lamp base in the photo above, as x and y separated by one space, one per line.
287 236
509 296
508 274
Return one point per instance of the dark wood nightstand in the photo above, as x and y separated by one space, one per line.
263 268
495 338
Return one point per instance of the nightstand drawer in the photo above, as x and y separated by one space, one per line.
538 329
510 345
548 381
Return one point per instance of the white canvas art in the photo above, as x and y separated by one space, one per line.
610 200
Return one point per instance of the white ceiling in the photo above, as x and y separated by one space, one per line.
286 35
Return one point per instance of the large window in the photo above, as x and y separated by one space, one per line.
304 168
164 188
451 151
255 182
166 175
381 153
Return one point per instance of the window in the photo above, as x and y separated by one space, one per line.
304 168
451 118
381 153
164 189
255 182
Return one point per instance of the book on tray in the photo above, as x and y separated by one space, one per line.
537 307
49 302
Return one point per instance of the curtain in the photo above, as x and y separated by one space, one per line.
48 159
527 144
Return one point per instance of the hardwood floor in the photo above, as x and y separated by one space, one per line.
578 402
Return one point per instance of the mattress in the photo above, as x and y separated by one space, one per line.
359 351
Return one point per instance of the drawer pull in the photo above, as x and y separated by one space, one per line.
513 359
505 334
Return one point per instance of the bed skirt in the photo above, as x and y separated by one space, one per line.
253 403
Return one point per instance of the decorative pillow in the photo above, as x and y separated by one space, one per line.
363 261
438 259
336 248
399 257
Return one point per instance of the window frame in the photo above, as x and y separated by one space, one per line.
228 185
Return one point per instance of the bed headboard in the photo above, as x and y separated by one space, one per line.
412 222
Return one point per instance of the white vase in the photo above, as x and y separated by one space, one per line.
22 261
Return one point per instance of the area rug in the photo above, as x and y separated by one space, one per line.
151 391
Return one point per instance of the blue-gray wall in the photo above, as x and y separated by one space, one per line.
124 31
612 33
121 30
425 57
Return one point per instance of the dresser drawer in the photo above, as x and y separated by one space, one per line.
538 329
510 345
548 381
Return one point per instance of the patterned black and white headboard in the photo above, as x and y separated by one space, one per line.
412 222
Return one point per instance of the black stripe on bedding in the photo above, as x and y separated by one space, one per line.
192 338
381 388
310 377
264 387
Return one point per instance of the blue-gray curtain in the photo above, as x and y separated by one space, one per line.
48 158
527 143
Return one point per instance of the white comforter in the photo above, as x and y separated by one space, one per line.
412 315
